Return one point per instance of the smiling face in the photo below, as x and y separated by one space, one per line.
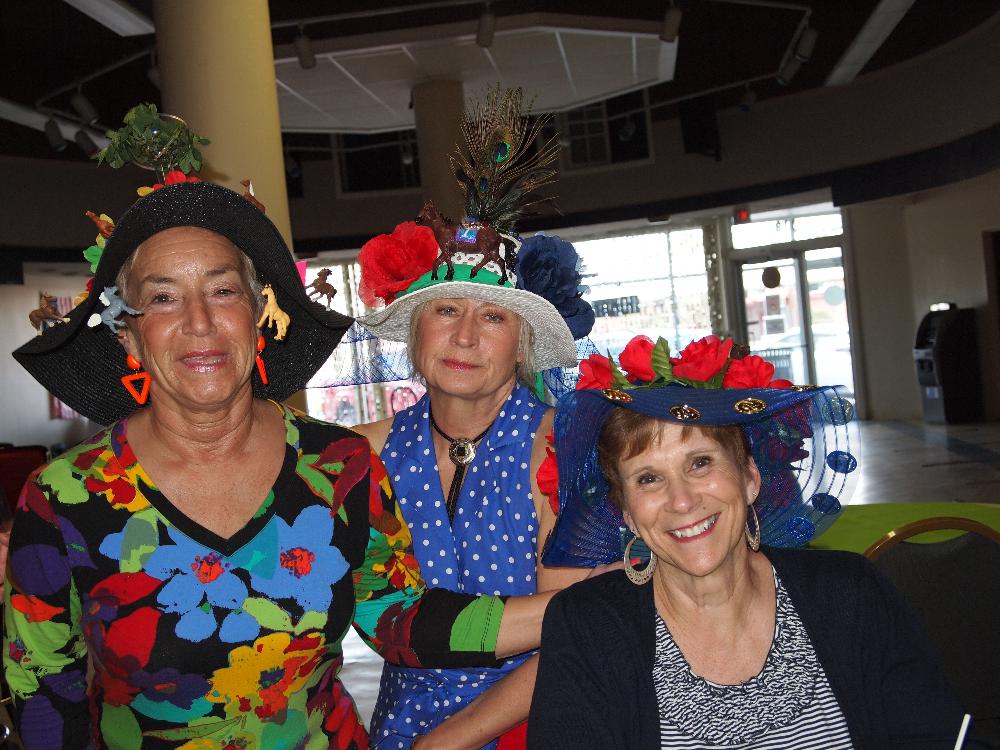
196 336
466 348
686 496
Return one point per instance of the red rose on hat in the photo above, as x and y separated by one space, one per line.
702 360
752 372
391 262
636 359
173 177
595 372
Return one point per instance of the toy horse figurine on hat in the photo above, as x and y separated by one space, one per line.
45 314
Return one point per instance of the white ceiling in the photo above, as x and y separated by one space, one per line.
363 83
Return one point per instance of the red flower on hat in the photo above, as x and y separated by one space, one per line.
703 359
752 372
636 359
391 262
595 372
172 177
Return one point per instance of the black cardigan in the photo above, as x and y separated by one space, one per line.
595 682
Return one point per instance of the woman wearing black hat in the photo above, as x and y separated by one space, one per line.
207 551
721 640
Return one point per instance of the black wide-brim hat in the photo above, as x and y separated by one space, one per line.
83 366
804 442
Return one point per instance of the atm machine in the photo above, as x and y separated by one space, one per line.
946 356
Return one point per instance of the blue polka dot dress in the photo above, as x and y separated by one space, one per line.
489 548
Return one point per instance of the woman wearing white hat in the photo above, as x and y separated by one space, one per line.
465 459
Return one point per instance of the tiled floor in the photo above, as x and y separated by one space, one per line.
899 462
913 462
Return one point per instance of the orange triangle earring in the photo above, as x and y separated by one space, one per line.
260 362
140 394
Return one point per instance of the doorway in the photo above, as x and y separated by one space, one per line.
794 312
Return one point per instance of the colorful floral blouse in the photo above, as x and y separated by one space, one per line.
200 642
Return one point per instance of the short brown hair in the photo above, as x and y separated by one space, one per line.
627 433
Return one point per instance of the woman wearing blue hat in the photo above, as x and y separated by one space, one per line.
725 637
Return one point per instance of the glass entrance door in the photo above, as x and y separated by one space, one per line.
831 333
774 320
795 315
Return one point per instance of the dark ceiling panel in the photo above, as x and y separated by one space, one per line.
47 44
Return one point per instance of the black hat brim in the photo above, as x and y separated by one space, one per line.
82 366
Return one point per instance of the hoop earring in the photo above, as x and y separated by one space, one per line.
638 577
140 394
260 362
753 540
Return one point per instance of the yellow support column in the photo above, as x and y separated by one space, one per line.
217 72
438 107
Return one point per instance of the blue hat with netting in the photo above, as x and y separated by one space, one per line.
803 439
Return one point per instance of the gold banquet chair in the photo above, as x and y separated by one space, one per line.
954 587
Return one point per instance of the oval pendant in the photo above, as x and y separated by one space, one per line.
462 451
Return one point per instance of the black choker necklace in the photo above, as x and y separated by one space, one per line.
462 452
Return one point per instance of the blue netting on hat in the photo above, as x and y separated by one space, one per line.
803 442
362 358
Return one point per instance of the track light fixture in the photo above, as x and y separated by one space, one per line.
788 70
85 142
83 107
671 24
304 50
55 136
748 99
806 44
487 25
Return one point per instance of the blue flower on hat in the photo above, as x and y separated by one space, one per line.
550 267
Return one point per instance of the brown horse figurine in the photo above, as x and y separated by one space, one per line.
322 288
487 242
46 314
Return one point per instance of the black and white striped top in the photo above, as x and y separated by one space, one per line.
788 705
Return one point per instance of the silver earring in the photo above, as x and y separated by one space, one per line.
638 577
753 540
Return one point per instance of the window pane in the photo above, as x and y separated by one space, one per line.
824 225
758 233
687 252
654 284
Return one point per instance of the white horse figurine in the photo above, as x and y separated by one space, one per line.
273 315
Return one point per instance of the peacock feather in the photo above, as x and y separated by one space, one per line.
504 160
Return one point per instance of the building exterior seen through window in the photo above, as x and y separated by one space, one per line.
791 274
654 284
789 289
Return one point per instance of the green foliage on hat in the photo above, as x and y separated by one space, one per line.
154 141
